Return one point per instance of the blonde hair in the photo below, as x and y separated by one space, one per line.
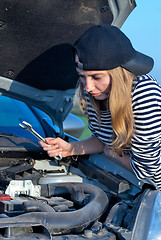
120 105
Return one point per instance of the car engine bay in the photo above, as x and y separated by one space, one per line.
42 198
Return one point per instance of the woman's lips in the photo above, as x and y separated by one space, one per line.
95 94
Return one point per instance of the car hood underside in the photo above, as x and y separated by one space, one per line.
36 48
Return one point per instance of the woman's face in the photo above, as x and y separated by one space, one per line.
97 83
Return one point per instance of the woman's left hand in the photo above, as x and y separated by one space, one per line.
123 160
108 151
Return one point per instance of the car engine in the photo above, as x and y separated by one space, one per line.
41 198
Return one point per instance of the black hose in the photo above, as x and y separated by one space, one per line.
64 222
37 206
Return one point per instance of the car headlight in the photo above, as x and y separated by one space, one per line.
154 232
147 224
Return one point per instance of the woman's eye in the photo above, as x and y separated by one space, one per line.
96 78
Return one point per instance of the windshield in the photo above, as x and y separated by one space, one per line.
13 112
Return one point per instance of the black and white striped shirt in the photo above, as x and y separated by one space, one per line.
146 141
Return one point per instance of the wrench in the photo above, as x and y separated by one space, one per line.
27 126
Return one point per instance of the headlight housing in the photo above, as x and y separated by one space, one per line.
147 224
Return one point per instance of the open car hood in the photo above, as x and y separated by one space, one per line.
37 62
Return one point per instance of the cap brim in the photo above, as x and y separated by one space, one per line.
140 64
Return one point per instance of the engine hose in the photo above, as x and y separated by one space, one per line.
63 222
37 206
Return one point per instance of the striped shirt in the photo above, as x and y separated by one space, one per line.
146 141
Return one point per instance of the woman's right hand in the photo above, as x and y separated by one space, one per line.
56 146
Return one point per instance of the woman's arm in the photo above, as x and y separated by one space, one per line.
55 146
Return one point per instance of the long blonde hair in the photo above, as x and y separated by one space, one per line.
120 105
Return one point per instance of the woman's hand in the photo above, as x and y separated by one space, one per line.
124 159
56 146
108 152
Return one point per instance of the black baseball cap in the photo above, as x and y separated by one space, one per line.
104 47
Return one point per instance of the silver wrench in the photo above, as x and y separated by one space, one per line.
27 126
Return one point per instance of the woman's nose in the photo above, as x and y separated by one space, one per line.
89 85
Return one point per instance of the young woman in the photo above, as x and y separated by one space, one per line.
122 103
